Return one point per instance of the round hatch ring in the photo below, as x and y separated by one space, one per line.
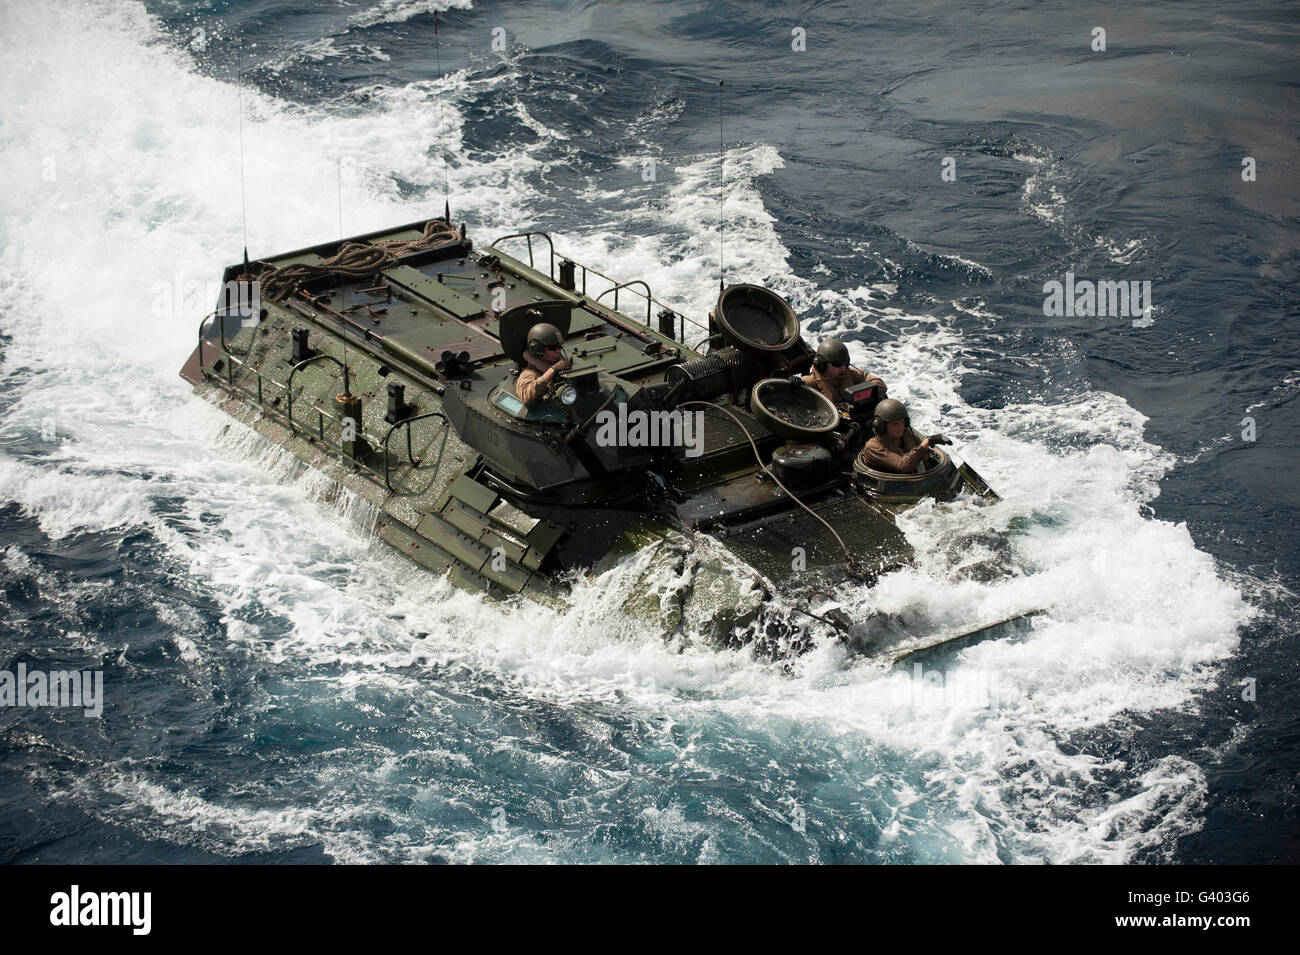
793 411
756 318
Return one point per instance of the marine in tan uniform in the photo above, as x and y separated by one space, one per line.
832 372
895 448
543 361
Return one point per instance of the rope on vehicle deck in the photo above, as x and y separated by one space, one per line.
354 260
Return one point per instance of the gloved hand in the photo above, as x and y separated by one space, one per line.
938 439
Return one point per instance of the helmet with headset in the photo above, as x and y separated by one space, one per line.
542 336
831 350
890 409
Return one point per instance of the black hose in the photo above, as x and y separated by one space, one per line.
850 564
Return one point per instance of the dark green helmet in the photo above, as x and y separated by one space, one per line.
543 336
891 409
831 350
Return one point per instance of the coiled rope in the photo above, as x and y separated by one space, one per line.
354 260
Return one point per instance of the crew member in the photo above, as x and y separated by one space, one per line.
543 361
895 448
832 372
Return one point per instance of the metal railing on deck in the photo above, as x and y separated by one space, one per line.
622 285
615 286
415 463
529 237
321 414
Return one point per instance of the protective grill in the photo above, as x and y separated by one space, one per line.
769 543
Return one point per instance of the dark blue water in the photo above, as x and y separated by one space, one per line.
279 687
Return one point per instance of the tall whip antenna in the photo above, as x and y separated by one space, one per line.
343 288
243 192
442 127
722 180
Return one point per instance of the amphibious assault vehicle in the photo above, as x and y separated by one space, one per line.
704 477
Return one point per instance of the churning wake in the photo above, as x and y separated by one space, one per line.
374 711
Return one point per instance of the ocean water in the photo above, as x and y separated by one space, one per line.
280 686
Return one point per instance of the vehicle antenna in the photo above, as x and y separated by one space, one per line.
243 192
722 180
343 285
442 129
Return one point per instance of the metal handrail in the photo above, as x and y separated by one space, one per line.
322 415
261 402
648 296
289 390
225 346
405 422
651 301
230 374
529 237
221 329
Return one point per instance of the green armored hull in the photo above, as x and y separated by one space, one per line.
388 362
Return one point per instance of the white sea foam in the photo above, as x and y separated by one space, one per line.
399 11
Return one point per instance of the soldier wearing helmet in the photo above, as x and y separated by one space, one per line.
832 372
895 447
543 361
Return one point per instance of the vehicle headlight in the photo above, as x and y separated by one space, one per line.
569 395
